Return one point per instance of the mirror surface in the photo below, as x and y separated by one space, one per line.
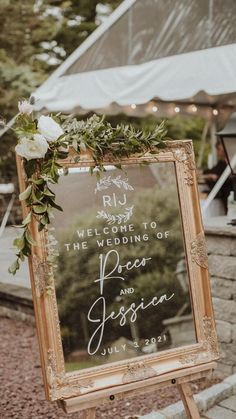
121 277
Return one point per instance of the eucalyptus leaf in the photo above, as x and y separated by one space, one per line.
30 167
45 219
22 257
26 193
41 226
40 209
27 249
75 144
54 205
29 238
14 267
19 242
48 192
27 219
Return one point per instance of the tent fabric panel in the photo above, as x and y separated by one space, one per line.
172 78
153 29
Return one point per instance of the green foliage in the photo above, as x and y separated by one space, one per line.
179 128
95 135
79 21
30 28
75 292
98 136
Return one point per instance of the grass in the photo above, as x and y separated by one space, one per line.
74 366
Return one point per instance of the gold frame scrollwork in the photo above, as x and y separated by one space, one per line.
199 251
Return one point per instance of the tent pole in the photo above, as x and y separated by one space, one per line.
9 125
213 140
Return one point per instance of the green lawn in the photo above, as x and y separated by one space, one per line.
73 366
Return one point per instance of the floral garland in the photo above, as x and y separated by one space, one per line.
44 141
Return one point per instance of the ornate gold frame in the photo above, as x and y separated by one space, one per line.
149 369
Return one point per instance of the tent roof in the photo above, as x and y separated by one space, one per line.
152 29
149 49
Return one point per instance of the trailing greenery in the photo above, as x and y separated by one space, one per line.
95 135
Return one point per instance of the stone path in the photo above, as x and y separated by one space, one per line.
216 402
226 409
23 396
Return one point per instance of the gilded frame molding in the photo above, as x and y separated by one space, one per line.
60 385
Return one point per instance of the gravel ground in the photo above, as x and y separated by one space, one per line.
22 395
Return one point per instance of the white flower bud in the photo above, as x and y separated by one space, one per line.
25 107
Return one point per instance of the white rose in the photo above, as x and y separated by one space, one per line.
25 107
50 129
32 149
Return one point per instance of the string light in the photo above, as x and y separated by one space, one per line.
189 108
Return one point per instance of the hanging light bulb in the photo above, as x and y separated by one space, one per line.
177 109
154 109
215 112
133 106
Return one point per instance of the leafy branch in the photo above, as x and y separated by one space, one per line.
100 138
40 202
95 135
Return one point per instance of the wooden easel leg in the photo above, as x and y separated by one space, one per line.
89 413
188 401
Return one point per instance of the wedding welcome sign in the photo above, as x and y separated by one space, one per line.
120 278
117 261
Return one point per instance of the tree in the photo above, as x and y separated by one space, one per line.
35 38
20 72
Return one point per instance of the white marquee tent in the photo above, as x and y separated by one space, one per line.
166 50
160 56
